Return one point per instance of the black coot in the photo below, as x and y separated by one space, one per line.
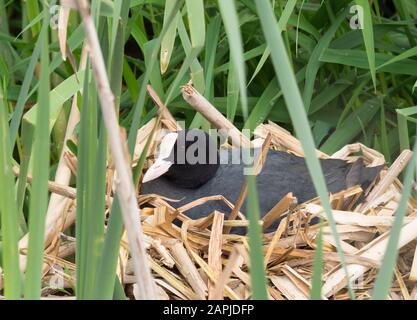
193 168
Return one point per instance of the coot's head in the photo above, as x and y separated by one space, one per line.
188 158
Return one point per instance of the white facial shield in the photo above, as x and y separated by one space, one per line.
161 165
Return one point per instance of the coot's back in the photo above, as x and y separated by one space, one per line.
282 173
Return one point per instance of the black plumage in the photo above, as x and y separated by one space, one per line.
282 173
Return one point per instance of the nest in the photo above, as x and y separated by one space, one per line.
202 260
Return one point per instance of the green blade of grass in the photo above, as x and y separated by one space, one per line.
353 99
316 282
115 36
168 40
32 9
39 196
402 120
384 134
105 278
108 262
257 272
104 285
180 77
8 210
321 16
130 80
314 64
154 76
195 13
142 93
331 92
358 58
23 94
212 41
213 30
405 55
95 160
231 25
386 271
96 214
86 156
58 96
283 20
174 89
297 112
248 55
265 105
138 34
232 91
213 33
27 141
197 72
351 126
4 28
368 36
116 55
91 169
30 25
249 4
302 23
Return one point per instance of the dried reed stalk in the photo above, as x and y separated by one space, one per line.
166 257
257 167
354 218
214 116
282 206
178 285
413 271
396 168
302 284
56 188
215 254
238 205
283 138
66 249
163 111
64 13
288 288
375 250
188 269
120 155
374 157
232 263
277 235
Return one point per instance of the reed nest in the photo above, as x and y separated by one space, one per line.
203 260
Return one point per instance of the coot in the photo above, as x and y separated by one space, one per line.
190 166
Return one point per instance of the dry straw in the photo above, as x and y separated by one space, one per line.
202 260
